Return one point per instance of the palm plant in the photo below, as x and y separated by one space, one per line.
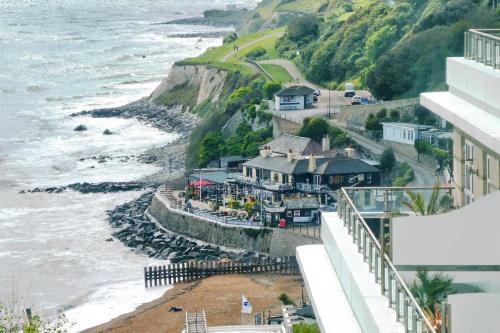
416 202
429 291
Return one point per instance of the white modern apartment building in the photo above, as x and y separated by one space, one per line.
472 105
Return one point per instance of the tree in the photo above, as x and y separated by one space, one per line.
373 123
211 148
394 115
387 161
441 155
382 114
431 290
271 87
305 26
422 147
314 128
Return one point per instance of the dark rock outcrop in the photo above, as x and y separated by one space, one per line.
135 230
105 187
80 128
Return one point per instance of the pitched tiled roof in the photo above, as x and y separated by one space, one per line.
295 91
299 145
338 164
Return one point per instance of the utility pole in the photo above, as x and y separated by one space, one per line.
329 101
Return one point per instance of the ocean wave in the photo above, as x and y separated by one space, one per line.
108 302
36 88
77 97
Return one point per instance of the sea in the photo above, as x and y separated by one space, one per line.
58 57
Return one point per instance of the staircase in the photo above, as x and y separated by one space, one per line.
196 322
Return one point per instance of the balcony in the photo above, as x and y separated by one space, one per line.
312 188
261 183
358 277
483 46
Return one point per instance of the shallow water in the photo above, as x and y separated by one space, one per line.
58 57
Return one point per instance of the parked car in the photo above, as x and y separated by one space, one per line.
356 100
317 92
349 90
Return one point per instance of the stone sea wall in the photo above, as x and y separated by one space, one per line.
273 242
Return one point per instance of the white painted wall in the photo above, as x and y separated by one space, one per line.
399 133
475 313
289 103
475 80
466 236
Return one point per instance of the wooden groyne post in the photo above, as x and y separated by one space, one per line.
195 270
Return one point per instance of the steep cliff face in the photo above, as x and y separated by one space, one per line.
189 86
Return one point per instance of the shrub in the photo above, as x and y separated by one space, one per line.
387 161
285 299
373 123
314 128
270 88
256 53
231 37
211 148
302 27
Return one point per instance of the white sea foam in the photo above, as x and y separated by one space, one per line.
111 301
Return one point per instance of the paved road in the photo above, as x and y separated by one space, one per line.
424 176
336 97
243 46
291 69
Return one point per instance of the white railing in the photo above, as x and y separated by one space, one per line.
267 184
408 311
312 187
210 216
483 45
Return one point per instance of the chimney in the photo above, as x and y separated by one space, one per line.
325 143
266 151
312 163
349 152
290 156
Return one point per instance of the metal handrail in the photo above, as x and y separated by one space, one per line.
387 260
482 46
485 34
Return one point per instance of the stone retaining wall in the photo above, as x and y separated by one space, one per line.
274 242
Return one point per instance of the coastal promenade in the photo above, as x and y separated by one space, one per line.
274 242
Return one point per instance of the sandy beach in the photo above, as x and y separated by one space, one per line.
219 296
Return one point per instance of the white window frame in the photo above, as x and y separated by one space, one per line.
296 213
368 178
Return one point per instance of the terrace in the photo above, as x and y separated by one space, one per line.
358 278
483 46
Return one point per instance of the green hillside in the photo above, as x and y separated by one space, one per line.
395 49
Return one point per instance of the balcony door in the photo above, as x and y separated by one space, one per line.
317 180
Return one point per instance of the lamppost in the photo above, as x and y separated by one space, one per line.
329 101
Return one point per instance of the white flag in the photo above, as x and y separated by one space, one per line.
246 307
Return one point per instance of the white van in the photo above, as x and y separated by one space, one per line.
349 90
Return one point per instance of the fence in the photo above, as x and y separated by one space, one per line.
483 45
408 311
177 205
189 271
262 69
311 231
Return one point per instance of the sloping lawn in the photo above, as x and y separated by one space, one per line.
278 72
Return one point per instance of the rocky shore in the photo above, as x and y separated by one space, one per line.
135 230
105 187
168 120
